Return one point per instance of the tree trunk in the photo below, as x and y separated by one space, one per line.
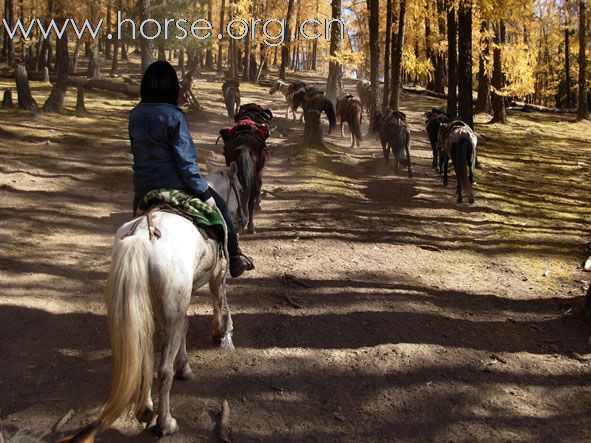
115 61
25 99
286 45
452 60
373 7
55 101
582 105
7 99
439 81
397 61
75 57
8 45
93 56
334 82
145 44
465 108
387 55
220 47
209 52
483 103
568 86
106 40
498 100
313 129
80 105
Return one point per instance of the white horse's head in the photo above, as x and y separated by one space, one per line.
224 181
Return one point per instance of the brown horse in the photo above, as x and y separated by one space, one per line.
458 142
247 147
350 110
395 136
363 88
311 98
231 91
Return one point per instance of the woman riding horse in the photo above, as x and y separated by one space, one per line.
164 154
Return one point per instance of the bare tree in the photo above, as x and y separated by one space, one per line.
582 105
373 7
286 45
452 60
465 109
145 44
497 99
387 56
334 82
397 54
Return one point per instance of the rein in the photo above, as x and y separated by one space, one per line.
240 211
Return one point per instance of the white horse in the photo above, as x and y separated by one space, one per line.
289 90
150 277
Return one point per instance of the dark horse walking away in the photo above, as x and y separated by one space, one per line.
350 110
231 91
436 118
395 136
313 99
245 144
458 142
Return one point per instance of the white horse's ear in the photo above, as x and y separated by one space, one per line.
233 169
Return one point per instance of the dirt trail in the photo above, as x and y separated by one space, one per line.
379 310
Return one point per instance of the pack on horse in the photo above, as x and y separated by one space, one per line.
457 141
157 261
363 88
394 135
245 144
349 110
288 90
311 98
231 91
436 118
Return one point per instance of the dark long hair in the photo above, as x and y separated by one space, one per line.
160 84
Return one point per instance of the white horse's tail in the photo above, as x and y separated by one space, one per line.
131 326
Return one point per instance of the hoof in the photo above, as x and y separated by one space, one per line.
167 427
184 374
459 200
252 230
409 174
217 337
445 183
146 416
471 200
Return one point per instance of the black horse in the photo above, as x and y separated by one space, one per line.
436 118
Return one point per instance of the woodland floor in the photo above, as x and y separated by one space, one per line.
419 319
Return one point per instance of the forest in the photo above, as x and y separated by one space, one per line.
299 220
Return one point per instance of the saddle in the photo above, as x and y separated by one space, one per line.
173 201
254 112
391 114
245 126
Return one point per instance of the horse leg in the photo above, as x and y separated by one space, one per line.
471 179
173 332
342 131
445 160
251 204
352 138
407 149
217 327
183 369
458 181
146 415
386 151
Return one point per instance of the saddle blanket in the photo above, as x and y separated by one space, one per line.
202 215
259 130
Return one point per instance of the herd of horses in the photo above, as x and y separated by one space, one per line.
153 276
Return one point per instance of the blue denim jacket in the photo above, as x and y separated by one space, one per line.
163 151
